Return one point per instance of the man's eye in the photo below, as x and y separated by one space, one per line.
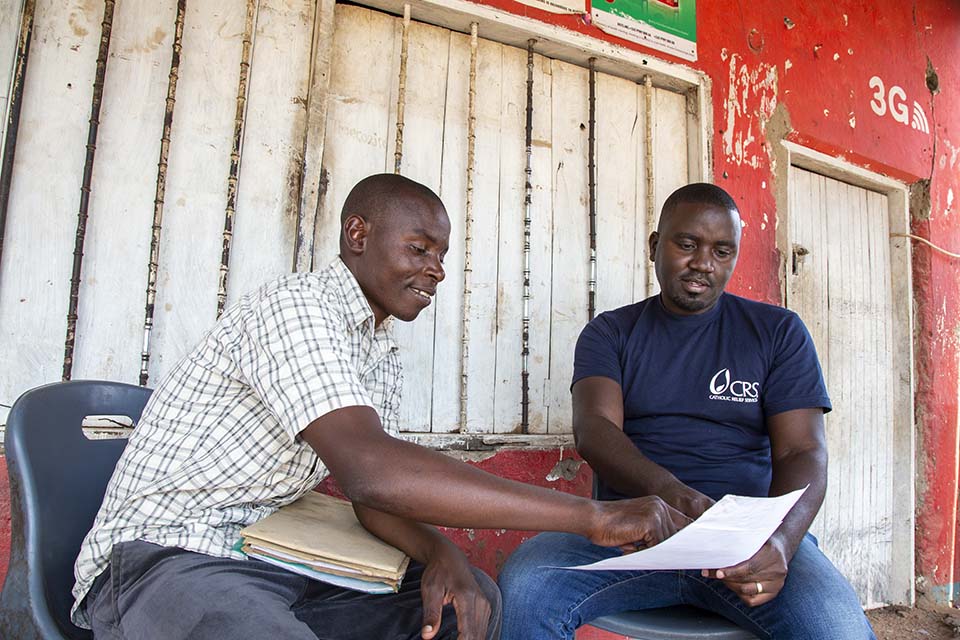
687 246
418 249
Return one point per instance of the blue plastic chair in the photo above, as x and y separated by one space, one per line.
670 623
57 481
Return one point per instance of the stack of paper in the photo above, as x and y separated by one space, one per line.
320 537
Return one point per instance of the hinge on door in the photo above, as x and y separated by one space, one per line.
799 253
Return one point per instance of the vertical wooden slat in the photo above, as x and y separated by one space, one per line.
649 175
314 179
570 253
200 147
160 194
508 390
42 218
468 228
401 89
487 242
14 16
106 29
447 366
669 145
542 242
233 174
423 135
124 188
620 134
358 115
592 189
643 268
271 178
14 47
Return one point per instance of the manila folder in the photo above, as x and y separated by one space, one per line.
324 528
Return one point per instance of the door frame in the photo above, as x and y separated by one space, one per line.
902 579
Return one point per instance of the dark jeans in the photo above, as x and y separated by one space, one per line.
149 591
545 602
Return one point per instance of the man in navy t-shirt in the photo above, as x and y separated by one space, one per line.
690 395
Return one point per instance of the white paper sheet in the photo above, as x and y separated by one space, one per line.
727 533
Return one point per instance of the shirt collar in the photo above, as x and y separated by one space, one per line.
356 306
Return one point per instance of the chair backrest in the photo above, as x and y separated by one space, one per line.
57 480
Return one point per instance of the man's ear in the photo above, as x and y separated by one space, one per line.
652 242
355 231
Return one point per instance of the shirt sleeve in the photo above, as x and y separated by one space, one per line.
795 380
391 392
598 351
300 363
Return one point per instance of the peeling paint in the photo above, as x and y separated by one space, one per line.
566 469
853 121
751 98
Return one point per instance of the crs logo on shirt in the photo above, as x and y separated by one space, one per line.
724 387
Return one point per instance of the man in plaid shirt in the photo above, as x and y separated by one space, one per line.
300 379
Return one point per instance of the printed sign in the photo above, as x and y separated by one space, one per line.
899 110
666 25
557 6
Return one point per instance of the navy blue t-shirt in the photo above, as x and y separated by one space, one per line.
697 389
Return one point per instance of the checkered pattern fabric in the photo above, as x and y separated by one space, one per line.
217 447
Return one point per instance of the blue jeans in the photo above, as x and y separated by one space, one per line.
542 601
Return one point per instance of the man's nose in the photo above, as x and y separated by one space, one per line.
435 268
702 261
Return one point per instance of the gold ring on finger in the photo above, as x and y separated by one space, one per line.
759 588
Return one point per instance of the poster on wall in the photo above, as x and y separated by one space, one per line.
666 25
557 6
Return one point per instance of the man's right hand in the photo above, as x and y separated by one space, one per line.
685 499
636 523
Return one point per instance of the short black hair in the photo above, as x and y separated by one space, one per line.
376 194
698 193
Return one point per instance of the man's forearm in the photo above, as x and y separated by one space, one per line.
431 487
795 472
415 539
614 457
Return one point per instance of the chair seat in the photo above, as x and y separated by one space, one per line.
672 623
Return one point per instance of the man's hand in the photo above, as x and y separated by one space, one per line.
685 499
637 523
447 578
759 579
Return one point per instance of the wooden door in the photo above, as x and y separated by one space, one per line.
839 281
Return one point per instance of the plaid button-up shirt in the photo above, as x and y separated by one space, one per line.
218 445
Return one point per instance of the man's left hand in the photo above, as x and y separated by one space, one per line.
447 579
757 580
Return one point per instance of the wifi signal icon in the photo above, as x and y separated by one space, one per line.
919 121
